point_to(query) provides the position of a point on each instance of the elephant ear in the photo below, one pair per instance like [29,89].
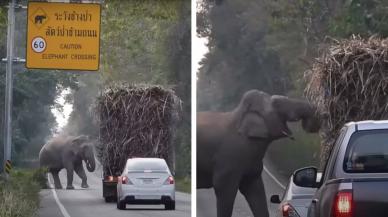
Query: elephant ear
[252,125]
[77,142]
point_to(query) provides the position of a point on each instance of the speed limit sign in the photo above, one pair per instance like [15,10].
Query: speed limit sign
[38,44]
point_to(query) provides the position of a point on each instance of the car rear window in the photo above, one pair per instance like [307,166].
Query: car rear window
[367,152]
[146,165]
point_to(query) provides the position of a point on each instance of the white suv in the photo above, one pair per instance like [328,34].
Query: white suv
[146,181]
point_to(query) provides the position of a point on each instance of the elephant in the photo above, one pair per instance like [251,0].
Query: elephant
[39,19]
[231,146]
[68,152]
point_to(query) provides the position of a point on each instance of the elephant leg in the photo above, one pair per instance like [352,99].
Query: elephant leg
[70,171]
[225,189]
[252,188]
[79,169]
[57,181]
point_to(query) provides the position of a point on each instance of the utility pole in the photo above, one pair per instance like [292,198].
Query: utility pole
[8,89]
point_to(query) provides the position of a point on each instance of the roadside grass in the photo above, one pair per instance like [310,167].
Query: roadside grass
[19,196]
[288,155]
[183,184]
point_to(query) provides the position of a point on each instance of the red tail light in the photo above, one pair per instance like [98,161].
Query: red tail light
[169,181]
[289,211]
[125,180]
[343,204]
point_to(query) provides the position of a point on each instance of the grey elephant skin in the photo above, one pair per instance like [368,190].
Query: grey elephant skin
[231,146]
[68,152]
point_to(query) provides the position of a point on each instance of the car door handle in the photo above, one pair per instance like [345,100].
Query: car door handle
[315,201]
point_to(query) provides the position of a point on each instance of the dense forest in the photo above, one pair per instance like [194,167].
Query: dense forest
[141,42]
[268,45]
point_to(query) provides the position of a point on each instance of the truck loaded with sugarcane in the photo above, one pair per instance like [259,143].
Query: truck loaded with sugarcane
[348,84]
[134,121]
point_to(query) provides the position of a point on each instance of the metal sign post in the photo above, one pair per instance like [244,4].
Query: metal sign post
[8,88]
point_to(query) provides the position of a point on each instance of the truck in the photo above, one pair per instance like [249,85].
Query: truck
[134,121]
[354,182]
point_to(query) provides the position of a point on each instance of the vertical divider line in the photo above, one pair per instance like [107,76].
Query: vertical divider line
[193,113]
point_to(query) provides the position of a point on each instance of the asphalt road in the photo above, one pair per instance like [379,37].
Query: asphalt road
[206,200]
[89,202]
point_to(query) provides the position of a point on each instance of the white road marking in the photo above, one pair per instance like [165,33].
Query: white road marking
[274,178]
[60,205]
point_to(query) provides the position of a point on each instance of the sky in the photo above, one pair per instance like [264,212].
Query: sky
[62,117]
[198,51]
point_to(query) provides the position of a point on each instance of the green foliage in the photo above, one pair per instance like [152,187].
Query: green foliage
[183,184]
[142,42]
[268,45]
[133,39]
[294,154]
[362,17]
[19,197]
[34,96]
[239,58]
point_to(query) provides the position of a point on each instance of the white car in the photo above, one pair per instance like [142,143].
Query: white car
[296,200]
[146,181]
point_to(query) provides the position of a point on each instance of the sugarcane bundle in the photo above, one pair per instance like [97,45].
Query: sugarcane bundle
[349,82]
[135,121]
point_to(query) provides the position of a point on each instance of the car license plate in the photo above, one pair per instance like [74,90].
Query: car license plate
[147,181]
[147,197]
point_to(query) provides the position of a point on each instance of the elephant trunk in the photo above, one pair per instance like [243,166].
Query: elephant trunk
[90,164]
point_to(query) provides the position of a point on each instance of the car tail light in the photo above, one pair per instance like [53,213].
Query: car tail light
[289,211]
[169,181]
[110,178]
[343,204]
[125,180]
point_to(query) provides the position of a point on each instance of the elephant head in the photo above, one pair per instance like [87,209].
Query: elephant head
[84,149]
[260,115]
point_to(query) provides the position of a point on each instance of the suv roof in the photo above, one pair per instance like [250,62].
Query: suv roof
[369,125]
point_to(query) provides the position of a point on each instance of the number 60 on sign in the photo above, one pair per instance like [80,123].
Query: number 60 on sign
[38,44]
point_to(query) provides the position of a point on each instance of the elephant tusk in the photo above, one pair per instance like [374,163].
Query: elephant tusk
[288,135]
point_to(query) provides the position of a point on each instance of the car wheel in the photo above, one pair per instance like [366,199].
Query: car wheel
[121,205]
[170,205]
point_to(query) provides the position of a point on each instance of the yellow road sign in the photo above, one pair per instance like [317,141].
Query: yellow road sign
[8,166]
[63,36]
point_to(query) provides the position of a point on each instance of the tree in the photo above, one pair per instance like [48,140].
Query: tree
[34,95]
[239,58]
[142,42]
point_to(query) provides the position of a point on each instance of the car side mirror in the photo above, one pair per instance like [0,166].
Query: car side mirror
[305,177]
[275,199]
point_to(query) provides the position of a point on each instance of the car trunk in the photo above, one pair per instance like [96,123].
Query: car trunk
[370,197]
[148,179]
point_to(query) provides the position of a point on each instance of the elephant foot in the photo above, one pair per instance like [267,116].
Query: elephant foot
[58,186]
[84,185]
[70,187]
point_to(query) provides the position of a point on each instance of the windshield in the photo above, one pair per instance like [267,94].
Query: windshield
[143,165]
[367,152]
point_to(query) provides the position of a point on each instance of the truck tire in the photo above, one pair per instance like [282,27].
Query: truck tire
[121,205]
[170,205]
[109,199]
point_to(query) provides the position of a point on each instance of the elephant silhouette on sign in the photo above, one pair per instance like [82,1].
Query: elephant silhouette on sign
[39,18]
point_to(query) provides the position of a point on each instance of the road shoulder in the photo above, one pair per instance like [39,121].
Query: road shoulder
[48,206]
